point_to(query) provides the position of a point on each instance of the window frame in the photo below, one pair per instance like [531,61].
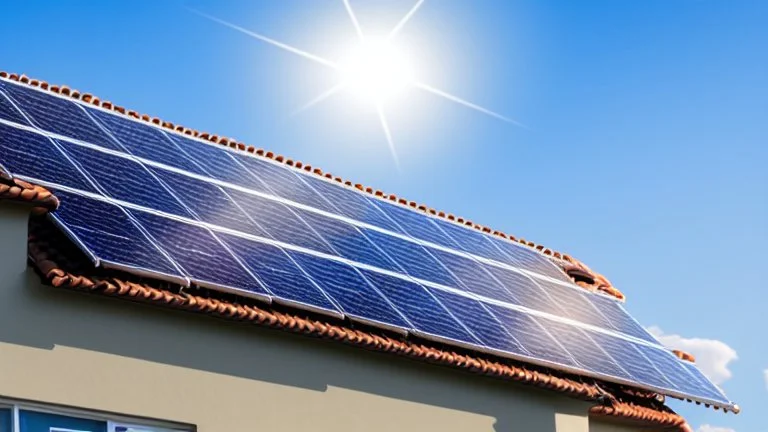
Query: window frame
[112,420]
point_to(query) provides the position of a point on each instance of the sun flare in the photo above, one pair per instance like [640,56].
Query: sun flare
[376,71]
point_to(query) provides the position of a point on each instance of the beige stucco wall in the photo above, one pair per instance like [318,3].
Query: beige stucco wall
[86,351]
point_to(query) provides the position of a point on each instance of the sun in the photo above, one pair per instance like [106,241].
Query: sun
[375,71]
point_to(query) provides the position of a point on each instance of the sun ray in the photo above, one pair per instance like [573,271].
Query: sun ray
[467,104]
[388,135]
[263,38]
[321,97]
[352,16]
[405,19]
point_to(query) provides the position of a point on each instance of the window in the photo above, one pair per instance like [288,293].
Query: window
[26,417]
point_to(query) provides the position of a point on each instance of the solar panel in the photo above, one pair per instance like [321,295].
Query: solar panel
[154,202]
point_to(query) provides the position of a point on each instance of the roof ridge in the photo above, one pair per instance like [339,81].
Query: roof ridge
[581,274]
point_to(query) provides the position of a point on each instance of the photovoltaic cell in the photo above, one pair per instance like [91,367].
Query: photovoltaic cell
[354,295]
[107,232]
[277,271]
[708,389]
[473,277]
[625,353]
[8,111]
[473,242]
[531,335]
[524,291]
[676,372]
[528,259]
[218,163]
[209,203]
[201,256]
[280,222]
[352,204]
[124,179]
[59,116]
[33,155]
[284,183]
[413,258]
[416,225]
[145,141]
[480,322]
[619,318]
[421,309]
[576,304]
[347,240]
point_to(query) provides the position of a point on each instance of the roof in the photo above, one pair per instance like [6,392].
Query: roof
[56,259]
[581,274]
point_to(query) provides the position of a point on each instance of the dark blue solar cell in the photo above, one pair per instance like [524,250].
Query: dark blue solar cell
[675,372]
[416,225]
[279,221]
[474,242]
[277,271]
[124,179]
[619,318]
[285,183]
[353,205]
[625,354]
[7,110]
[145,141]
[109,234]
[32,155]
[422,310]
[473,277]
[347,240]
[201,256]
[209,203]
[583,349]
[350,290]
[710,390]
[576,304]
[218,163]
[413,258]
[480,322]
[529,259]
[531,335]
[525,291]
[60,116]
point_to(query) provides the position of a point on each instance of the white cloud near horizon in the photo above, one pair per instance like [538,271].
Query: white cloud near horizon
[710,428]
[712,356]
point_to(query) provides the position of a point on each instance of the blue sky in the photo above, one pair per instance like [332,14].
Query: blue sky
[644,154]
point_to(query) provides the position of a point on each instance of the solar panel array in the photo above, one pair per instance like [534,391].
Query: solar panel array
[140,198]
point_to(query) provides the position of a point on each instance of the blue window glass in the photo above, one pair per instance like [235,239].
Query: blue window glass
[277,271]
[5,420]
[32,155]
[201,256]
[125,179]
[145,141]
[30,421]
[354,295]
[60,116]
[107,232]
[422,310]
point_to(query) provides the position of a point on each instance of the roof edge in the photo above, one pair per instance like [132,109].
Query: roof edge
[13,189]
[595,281]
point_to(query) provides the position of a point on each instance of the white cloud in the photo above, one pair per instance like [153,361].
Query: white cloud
[712,356]
[765,375]
[710,428]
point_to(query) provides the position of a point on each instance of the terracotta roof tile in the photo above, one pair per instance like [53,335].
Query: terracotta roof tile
[54,257]
[595,281]
[17,190]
